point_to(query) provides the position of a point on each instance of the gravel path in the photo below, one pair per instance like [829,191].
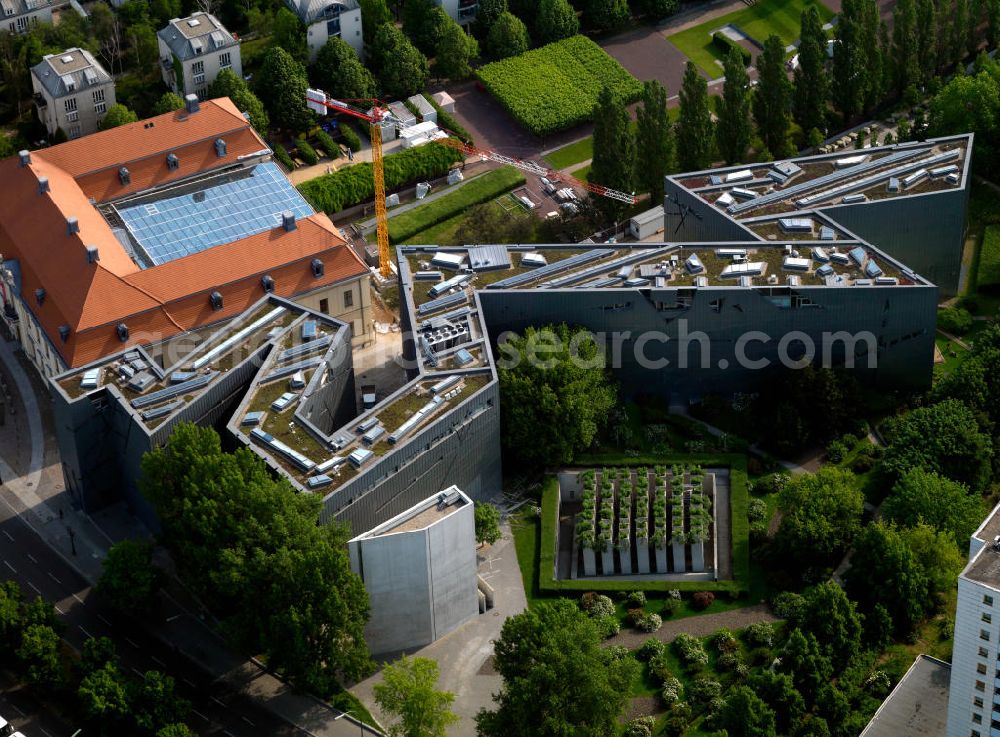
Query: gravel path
[698,626]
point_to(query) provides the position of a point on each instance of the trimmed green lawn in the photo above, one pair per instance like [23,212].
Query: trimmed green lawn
[574,153]
[988,271]
[583,173]
[781,17]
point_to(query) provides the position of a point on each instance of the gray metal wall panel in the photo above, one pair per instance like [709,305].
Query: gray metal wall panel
[713,225]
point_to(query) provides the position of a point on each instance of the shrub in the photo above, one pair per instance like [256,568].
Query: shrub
[702,600]
[608,626]
[836,451]
[760,656]
[481,189]
[757,510]
[772,483]
[671,691]
[306,152]
[954,320]
[725,641]
[690,650]
[701,691]
[327,144]
[636,599]
[650,623]
[649,649]
[723,43]
[759,634]
[658,666]
[351,185]
[351,139]
[587,600]
[555,87]
[635,617]
[788,605]
[674,594]
[862,464]
[282,155]
[671,607]
[617,653]
[599,605]
[640,727]
[729,662]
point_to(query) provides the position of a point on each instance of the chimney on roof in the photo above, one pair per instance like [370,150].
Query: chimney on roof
[220,147]
[64,332]
[93,256]
[40,296]
[172,161]
[43,185]
[317,268]
[25,157]
[124,176]
[288,220]
[215,299]
[72,226]
[191,103]
[267,282]
[122,330]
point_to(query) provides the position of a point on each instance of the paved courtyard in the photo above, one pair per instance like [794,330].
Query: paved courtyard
[465,655]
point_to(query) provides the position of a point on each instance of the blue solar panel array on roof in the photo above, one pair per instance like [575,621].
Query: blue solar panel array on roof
[173,391]
[157,412]
[554,268]
[300,461]
[872,269]
[304,349]
[441,303]
[222,210]
[292,368]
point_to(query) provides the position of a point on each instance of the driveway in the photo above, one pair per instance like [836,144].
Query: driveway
[646,54]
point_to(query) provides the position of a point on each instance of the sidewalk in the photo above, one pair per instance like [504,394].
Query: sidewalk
[38,496]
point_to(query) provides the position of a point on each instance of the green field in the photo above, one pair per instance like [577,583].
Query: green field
[574,153]
[988,273]
[481,189]
[781,17]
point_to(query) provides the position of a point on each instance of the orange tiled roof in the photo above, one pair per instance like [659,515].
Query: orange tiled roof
[163,300]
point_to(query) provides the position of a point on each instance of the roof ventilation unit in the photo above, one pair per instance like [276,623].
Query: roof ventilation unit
[317,268]
[172,161]
[215,299]
[40,296]
[123,176]
[220,147]
[122,332]
[267,282]
[25,157]
[43,185]
[64,332]
[72,226]
[93,255]
[191,103]
[288,220]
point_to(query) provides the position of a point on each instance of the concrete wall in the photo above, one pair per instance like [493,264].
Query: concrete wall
[451,547]
[900,319]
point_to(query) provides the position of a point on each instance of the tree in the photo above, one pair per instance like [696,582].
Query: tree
[654,141]
[423,22]
[39,655]
[946,505]
[288,33]
[11,615]
[340,73]
[936,554]
[745,714]
[557,679]
[733,128]
[655,9]
[885,571]
[959,44]
[487,523]
[778,692]
[175,730]
[944,438]
[251,547]
[694,127]
[614,150]
[869,24]
[905,65]
[129,579]
[772,98]
[155,703]
[117,115]
[407,692]
[812,88]
[455,50]
[552,378]
[163,11]
[167,103]
[374,13]
[820,515]
[228,84]
[803,660]
[508,36]
[103,695]
[928,38]
[281,85]
[145,48]
[848,74]
[403,70]
[487,14]
[971,103]
[605,15]
[833,620]
[556,20]
[97,653]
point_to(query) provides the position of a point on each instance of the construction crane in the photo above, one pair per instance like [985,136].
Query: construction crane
[378,114]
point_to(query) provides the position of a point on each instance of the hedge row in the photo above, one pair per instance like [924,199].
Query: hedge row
[739,500]
[479,190]
[350,136]
[354,184]
[724,43]
[452,126]
[989,259]
[556,86]
[306,152]
[327,143]
[282,155]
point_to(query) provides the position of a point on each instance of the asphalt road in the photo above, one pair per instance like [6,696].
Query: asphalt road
[216,709]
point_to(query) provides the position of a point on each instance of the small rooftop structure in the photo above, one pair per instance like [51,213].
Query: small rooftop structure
[69,72]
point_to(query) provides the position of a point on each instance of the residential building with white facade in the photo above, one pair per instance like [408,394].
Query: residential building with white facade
[72,92]
[462,12]
[326,19]
[974,701]
[194,50]
[20,15]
